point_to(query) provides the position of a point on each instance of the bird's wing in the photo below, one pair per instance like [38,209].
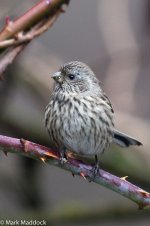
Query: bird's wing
[106,99]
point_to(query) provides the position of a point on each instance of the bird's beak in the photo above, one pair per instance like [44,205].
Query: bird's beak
[58,77]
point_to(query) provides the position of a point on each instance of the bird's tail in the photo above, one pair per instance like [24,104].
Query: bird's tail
[124,140]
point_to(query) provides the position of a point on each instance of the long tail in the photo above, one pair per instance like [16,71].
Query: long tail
[124,140]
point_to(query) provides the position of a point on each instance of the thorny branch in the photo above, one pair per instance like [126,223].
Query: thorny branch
[76,167]
[27,27]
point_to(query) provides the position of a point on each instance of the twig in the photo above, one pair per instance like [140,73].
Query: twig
[27,27]
[36,31]
[76,167]
[33,16]
[9,58]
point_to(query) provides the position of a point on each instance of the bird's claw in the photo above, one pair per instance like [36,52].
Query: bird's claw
[94,172]
[63,159]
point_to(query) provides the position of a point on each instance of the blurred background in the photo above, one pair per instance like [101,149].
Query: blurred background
[113,38]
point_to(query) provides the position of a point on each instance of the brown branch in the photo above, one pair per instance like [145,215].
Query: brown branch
[31,17]
[33,33]
[76,167]
[27,27]
[9,58]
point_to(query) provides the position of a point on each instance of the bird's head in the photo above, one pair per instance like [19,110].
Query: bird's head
[76,77]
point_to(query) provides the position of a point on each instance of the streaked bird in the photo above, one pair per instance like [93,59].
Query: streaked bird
[79,116]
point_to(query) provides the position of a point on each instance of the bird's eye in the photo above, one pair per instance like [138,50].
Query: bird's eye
[71,76]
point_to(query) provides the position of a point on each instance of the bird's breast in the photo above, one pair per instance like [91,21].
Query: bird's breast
[79,124]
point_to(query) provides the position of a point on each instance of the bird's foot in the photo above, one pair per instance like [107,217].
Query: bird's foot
[63,158]
[95,171]
[95,168]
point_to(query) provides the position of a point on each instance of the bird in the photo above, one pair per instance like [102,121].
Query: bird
[80,116]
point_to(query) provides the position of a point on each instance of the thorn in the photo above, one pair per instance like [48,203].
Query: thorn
[43,159]
[5,153]
[8,23]
[70,155]
[124,178]
[83,175]
[25,144]
[144,193]
[49,154]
